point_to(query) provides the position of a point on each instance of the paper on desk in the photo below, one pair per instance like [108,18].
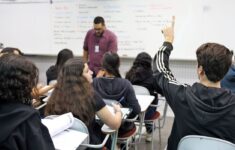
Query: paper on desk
[63,137]
[59,123]
[69,139]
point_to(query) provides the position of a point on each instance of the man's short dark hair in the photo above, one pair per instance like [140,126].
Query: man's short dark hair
[98,20]
[215,60]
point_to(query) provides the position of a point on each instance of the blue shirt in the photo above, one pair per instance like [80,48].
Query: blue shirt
[228,81]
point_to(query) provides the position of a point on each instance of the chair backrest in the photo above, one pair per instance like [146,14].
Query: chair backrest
[79,126]
[140,90]
[197,142]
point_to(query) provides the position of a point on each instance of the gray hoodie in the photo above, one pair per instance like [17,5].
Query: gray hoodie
[117,89]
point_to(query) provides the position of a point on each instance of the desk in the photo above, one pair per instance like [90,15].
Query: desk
[113,134]
[144,102]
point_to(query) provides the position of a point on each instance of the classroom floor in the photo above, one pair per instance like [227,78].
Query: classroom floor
[165,131]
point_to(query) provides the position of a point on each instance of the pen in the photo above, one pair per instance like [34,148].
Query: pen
[122,99]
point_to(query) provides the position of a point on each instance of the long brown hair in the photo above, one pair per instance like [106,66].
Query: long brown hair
[73,93]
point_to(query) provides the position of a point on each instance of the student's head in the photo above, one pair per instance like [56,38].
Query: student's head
[18,77]
[63,56]
[11,50]
[73,92]
[141,64]
[213,60]
[143,60]
[99,25]
[111,63]
[75,67]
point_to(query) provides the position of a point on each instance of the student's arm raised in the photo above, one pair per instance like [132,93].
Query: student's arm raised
[163,77]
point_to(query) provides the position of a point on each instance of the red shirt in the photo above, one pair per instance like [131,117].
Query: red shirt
[106,42]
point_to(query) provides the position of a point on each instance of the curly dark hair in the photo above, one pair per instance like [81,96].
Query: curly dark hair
[111,63]
[141,64]
[215,60]
[18,76]
[73,93]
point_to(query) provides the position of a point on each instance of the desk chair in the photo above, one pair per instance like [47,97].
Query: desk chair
[129,136]
[197,142]
[80,126]
[163,117]
[140,90]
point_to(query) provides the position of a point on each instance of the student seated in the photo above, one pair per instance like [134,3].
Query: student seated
[110,85]
[37,91]
[141,74]
[20,123]
[53,71]
[74,93]
[203,108]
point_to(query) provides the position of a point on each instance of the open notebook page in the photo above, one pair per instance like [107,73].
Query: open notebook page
[59,123]
[63,137]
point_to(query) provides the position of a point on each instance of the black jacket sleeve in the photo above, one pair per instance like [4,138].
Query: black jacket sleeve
[30,135]
[163,77]
[38,135]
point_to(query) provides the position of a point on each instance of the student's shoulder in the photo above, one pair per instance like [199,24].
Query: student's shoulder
[99,101]
[95,80]
[123,81]
[28,109]
[109,34]
[51,69]
[23,111]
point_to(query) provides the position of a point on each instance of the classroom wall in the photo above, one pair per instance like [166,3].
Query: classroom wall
[184,71]
[43,28]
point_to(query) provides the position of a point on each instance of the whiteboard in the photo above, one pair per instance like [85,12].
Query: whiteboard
[43,27]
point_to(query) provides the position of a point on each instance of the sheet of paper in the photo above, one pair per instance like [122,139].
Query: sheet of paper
[59,123]
[69,139]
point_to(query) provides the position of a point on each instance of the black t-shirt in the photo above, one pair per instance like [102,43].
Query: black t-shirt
[51,73]
[99,102]
[96,135]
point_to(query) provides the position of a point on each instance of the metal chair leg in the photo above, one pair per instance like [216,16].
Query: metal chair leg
[159,131]
[153,125]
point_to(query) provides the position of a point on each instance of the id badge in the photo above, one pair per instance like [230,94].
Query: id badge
[97,49]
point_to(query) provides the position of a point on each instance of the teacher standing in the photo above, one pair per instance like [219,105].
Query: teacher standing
[98,41]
